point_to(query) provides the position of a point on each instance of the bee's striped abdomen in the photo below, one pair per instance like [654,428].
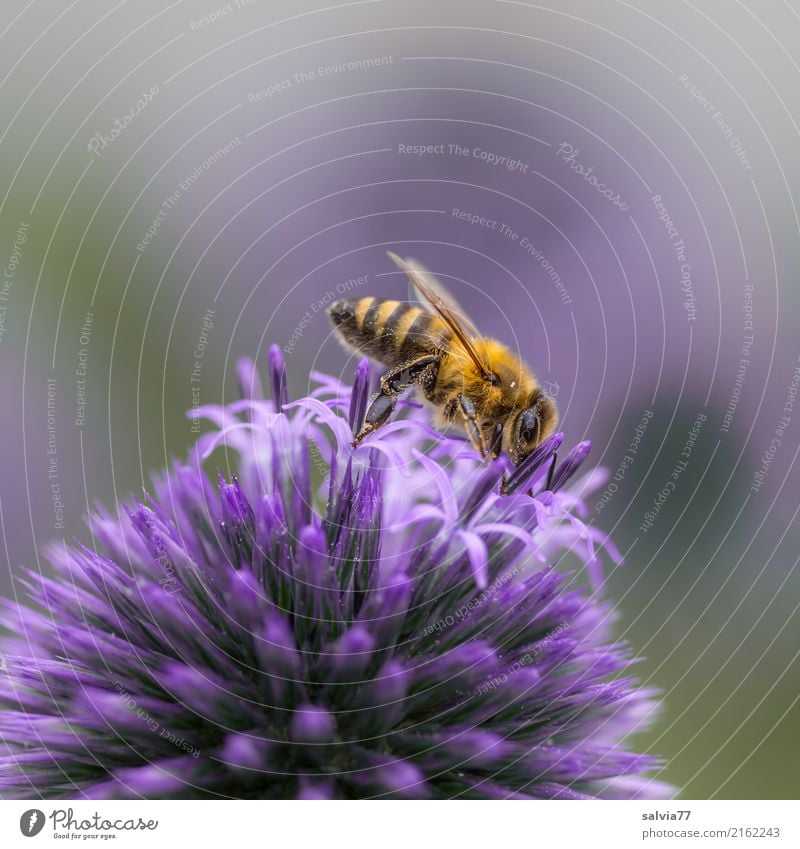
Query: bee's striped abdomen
[392,332]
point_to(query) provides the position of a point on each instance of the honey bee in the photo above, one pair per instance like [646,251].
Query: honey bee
[465,377]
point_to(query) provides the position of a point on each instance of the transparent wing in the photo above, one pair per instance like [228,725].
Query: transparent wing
[435,297]
[429,289]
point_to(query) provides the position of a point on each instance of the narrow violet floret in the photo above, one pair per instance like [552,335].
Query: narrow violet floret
[399,619]
[571,464]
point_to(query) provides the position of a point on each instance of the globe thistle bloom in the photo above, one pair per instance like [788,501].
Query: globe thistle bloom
[327,622]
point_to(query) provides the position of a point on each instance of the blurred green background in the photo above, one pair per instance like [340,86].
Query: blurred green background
[160,161]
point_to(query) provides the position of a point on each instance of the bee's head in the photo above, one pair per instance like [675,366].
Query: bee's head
[531,426]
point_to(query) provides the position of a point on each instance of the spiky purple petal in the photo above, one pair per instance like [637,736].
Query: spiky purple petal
[399,630]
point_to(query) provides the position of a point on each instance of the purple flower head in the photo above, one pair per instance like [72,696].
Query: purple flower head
[330,622]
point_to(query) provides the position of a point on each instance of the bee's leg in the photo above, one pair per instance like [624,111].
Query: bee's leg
[461,405]
[394,382]
[381,407]
[405,376]
[496,443]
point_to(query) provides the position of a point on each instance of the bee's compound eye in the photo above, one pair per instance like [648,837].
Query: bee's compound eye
[529,425]
[494,379]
